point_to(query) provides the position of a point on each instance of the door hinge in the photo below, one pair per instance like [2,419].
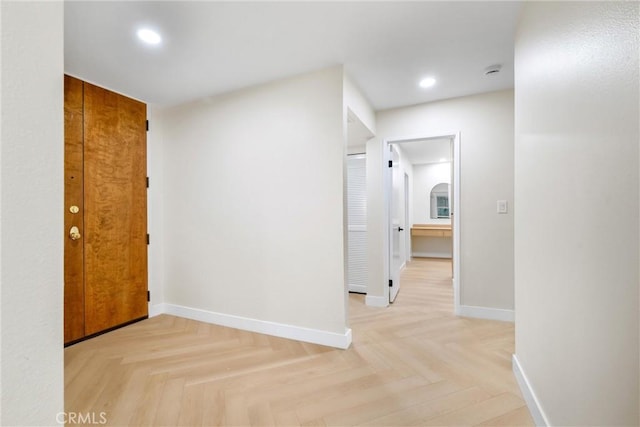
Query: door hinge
[147,182]
[148,296]
[147,125]
[148,239]
[390,283]
[390,163]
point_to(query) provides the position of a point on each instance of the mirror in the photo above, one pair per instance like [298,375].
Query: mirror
[440,201]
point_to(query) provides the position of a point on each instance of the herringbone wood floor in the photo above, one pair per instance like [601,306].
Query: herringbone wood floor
[413,363]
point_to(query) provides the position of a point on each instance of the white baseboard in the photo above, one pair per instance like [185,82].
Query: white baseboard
[487,313]
[362,289]
[431,255]
[154,310]
[373,301]
[282,330]
[538,415]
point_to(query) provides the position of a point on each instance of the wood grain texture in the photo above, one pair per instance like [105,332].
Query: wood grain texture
[115,209]
[73,195]
[431,230]
[413,363]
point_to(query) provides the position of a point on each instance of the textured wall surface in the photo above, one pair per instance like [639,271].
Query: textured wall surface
[31,216]
[576,241]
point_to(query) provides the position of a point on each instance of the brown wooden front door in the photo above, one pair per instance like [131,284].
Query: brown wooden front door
[105,178]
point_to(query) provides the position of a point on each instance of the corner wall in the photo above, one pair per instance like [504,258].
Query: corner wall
[254,215]
[577,233]
[31,223]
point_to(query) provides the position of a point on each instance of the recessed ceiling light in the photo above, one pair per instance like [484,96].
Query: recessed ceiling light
[427,82]
[149,36]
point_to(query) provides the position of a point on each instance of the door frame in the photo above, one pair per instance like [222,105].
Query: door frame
[394,277]
[457,207]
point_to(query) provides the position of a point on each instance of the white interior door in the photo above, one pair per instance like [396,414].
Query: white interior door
[406,234]
[395,228]
[357,223]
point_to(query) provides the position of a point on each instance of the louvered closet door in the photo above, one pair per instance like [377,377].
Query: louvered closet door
[357,223]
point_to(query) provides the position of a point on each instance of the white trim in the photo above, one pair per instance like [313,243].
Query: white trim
[362,289]
[487,313]
[456,306]
[386,197]
[535,409]
[431,255]
[282,330]
[157,309]
[457,258]
[374,301]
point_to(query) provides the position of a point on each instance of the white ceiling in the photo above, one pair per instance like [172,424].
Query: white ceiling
[427,150]
[214,47]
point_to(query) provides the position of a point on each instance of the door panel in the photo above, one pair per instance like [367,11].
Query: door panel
[357,271]
[395,256]
[73,196]
[115,209]
[452,206]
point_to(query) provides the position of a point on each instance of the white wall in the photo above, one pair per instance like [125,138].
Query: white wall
[577,135]
[485,123]
[254,215]
[356,101]
[155,210]
[31,220]
[377,238]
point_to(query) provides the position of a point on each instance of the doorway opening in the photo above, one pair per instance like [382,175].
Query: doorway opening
[418,166]
[355,197]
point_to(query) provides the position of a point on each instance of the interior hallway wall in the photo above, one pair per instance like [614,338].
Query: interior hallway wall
[577,243]
[254,213]
[485,123]
[31,216]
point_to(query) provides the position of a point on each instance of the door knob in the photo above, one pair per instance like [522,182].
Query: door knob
[400,229]
[74,233]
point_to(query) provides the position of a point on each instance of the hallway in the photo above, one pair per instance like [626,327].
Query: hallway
[413,363]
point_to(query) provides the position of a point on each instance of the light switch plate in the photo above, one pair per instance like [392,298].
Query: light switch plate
[502,207]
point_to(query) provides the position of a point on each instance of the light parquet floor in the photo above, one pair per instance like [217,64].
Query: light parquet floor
[414,363]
